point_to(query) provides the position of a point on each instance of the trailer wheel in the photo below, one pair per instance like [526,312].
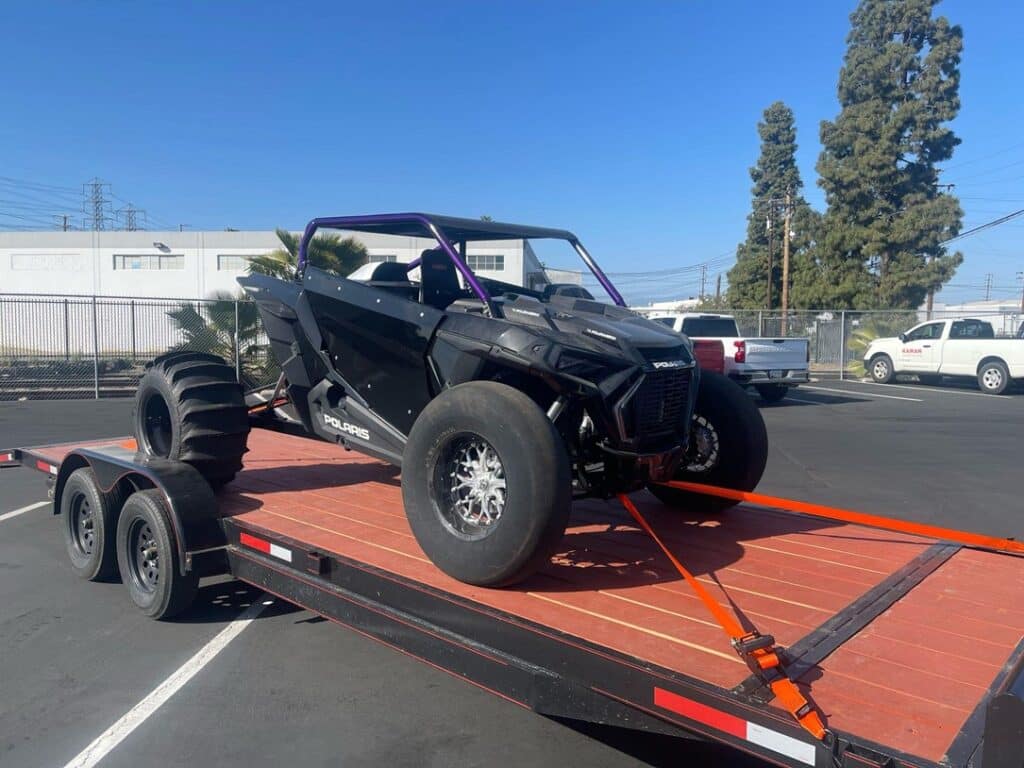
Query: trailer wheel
[728,447]
[90,525]
[771,393]
[190,408]
[486,484]
[148,557]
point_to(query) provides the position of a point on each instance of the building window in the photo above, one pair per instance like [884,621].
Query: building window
[377,258]
[149,261]
[486,261]
[229,262]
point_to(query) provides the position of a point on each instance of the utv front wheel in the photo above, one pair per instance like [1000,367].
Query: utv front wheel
[728,447]
[486,484]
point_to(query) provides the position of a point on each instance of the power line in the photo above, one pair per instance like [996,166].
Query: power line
[96,205]
[982,227]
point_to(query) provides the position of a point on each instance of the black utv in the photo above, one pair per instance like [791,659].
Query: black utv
[501,403]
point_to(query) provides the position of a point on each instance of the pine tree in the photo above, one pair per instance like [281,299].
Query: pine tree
[774,175]
[887,213]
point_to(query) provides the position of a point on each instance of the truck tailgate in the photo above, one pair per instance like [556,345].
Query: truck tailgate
[777,353]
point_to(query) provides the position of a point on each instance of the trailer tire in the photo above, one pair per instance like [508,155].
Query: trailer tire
[486,484]
[728,447]
[148,557]
[89,519]
[190,408]
[880,369]
[771,393]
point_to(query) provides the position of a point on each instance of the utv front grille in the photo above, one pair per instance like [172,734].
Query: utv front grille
[661,401]
[656,406]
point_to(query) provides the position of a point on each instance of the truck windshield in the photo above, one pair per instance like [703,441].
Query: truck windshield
[714,327]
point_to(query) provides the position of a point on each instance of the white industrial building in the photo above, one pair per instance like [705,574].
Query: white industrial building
[195,265]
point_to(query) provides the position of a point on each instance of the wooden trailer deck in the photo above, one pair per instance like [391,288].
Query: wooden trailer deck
[897,639]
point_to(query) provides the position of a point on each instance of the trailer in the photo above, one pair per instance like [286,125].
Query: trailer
[907,640]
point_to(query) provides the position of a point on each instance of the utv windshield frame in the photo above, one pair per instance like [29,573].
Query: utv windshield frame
[447,231]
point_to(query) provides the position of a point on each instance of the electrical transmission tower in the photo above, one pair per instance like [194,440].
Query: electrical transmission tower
[96,205]
[131,216]
[988,286]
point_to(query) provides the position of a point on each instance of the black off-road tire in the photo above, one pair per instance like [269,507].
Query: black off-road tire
[880,369]
[189,407]
[89,522]
[537,481]
[771,393]
[742,446]
[155,583]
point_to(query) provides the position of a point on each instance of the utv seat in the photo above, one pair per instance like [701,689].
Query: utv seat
[439,282]
[392,277]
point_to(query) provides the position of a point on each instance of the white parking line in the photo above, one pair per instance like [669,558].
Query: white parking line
[23,510]
[852,392]
[138,714]
[938,390]
[809,402]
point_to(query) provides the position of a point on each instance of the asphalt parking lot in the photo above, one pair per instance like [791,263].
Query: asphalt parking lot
[289,687]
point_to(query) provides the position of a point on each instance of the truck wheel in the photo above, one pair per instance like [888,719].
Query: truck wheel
[190,408]
[90,525]
[148,558]
[728,447]
[880,369]
[771,393]
[993,377]
[486,484]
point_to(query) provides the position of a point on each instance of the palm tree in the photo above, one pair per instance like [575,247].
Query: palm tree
[328,251]
[210,327]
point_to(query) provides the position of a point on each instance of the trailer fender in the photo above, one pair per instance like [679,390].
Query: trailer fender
[192,503]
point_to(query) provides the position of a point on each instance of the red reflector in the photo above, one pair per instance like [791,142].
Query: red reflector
[741,351]
[254,543]
[702,713]
[6,457]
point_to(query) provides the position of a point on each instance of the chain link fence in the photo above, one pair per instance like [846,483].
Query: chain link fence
[92,347]
[54,347]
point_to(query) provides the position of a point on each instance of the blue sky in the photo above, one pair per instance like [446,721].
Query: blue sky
[631,123]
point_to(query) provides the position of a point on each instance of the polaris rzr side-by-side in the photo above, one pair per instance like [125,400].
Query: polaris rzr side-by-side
[500,403]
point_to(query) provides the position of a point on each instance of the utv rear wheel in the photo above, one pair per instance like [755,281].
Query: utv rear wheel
[190,408]
[90,525]
[728,447]
[486,484]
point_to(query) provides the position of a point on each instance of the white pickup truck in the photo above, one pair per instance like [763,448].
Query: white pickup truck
[962,348]
[771,366]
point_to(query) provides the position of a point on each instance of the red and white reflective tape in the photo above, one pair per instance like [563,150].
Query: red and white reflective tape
[6,457]
[265,546]
[735,726]
[46,466]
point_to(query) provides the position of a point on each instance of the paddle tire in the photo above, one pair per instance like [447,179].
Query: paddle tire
[728,447]
[191,408]
[486,484]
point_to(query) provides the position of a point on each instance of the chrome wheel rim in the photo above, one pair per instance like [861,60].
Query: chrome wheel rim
[704,448]
[992,378]
[473,486]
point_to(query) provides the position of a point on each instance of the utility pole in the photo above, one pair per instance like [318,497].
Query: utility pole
[1020,276]
[63,221]
[703,278]
[718,289]
[988,286]
[786,223]
[181,227]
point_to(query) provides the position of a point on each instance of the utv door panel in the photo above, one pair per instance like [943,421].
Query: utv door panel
[377,342]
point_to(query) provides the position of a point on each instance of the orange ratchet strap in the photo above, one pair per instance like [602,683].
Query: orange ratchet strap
[977,540]
[757,650]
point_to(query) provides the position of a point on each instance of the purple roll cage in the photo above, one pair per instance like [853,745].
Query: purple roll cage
[461,230]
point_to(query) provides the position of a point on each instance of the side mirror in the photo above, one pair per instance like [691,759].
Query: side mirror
[903,337]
